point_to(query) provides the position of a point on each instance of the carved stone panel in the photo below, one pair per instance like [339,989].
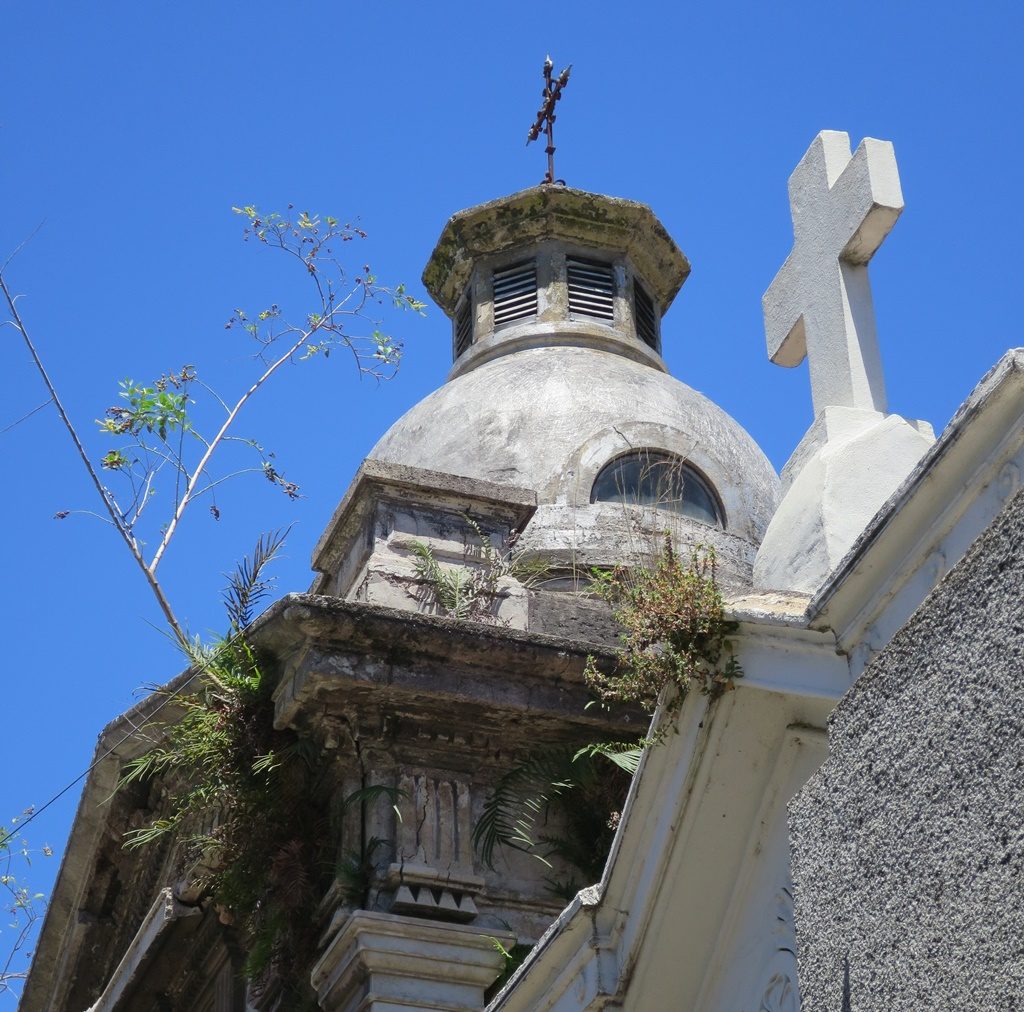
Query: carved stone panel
[433,871]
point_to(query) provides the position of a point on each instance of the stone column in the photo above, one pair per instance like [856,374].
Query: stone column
[380,962]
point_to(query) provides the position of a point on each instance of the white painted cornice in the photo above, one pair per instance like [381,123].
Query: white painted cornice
[928,524]
[586,960]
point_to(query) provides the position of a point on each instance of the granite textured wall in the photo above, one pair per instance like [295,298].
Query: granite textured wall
[908,844]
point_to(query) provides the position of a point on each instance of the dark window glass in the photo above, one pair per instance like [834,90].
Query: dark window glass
[649,478]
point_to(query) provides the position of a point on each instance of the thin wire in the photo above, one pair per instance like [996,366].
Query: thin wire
[22,823]
[25,418]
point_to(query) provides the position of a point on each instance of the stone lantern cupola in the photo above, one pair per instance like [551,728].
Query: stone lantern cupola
[555,266]
[558,387]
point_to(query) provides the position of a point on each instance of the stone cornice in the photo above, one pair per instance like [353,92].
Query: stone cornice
[555,212]
[288,627]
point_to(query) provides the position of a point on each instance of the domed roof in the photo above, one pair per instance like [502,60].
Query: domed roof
[556,297]
[549,418]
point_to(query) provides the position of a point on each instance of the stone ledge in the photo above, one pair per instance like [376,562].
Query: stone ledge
[343,653]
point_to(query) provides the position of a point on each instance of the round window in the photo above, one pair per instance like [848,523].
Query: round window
[660,480]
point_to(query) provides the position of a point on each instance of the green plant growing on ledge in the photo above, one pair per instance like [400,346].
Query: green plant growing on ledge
[675,635]
[512,958]
[675,631]
[175,441]
[252,806]
[466,592]
[585,786]
[246,802]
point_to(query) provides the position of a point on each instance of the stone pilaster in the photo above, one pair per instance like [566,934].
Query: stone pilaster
[380,962]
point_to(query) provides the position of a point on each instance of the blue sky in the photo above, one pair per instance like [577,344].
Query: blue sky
[129,131]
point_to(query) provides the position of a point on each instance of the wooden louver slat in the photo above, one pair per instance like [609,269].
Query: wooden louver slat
[591,288]
[515,292]
[464,326]
[645,317]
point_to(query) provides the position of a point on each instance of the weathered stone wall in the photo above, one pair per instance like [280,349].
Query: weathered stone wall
[908,844]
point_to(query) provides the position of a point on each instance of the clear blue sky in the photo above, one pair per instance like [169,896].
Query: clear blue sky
[131,129]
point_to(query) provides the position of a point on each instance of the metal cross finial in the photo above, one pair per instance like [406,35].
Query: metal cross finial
[551,94]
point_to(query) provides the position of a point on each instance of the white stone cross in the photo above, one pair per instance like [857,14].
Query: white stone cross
[819,304]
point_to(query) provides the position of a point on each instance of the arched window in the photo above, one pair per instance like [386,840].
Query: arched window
[652,478]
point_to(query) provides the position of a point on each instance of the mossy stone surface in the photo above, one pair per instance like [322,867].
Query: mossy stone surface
[555,212]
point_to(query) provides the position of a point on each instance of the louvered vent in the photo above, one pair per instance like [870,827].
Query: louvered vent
[591,288]
[515,292]
[646,320]
[464,326]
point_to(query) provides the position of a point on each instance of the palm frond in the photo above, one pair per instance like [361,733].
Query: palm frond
[266,763]
[355,870]
[625,756]
[247,586]
[519,800]
[147,834]
[374,791]
[452,586]
[146,765]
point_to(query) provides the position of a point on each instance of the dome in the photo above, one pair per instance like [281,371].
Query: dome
[556,298]
[551,418]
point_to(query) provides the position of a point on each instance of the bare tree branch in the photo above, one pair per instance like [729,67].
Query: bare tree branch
[126,534]
[197,474]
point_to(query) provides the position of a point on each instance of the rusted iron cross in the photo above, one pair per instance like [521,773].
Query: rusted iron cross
[551,94]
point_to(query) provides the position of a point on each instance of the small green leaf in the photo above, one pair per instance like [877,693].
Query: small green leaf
[114,460]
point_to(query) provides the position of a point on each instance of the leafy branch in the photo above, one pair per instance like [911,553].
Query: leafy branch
[115,514]
[21,905]
[226,731]
[157,432]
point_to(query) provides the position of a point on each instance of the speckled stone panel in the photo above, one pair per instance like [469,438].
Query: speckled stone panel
[908,844]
